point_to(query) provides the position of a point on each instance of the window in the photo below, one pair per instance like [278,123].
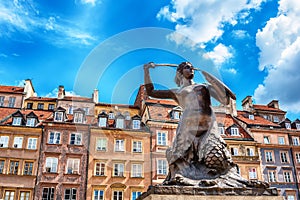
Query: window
[2,162]
[291,197]
[86,110]
[298,126]
[275,119]
[119,145]
[73,166]
[120,123]
[70,194]
[297,157]
[102,121]
[272,176]
[250,152]
[100,169]
[269,156]
[101,144]
[51,165]
[266,140]
[162,167]
[251,117]
[98,195]
[48,193]
[287,125]
[221,130]
[75,139]
[118,195]
[111,115]
[252,173]
[9,195]
[31,143]
[2,100]
[18,141]
[70,110]
[234,151]
[24,195]
[161,138]
[136,124]
[28,167]
[58,116]
[40,106]
[118,169]
[54,138]
[11,102]
[4,141]
[295,141]
[78,117]
[137,146]
[234,131]
[17,121]
[287,175]
[281,140]
[135,195]
[14,167]
[284,157]
[176,115]
[30,122]
[136,170]
[29,105]
[51,107]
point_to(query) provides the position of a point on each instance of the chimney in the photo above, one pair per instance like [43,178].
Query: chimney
[274,104]
[61,92]
[247,103]
[95,96]
[28,89]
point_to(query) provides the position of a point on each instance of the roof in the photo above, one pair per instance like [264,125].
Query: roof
[11,89]
[76,98]
[7,112]
[162,101]
[257,121]
[160,111]
[266,108]
[41,99]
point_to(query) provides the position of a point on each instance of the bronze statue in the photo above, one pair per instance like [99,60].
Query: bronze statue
[199,156]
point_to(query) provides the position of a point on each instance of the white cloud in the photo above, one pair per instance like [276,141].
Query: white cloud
[240,34]
[202,21]
[23,17]
[3,55]
[279,42]
[54,93]
[220,54]
[91,2]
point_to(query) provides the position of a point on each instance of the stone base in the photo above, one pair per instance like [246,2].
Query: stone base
[162,192]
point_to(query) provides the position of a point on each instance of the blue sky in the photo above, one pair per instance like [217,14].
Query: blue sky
[252,45]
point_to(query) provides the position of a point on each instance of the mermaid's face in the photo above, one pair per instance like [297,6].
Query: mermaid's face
[188,71]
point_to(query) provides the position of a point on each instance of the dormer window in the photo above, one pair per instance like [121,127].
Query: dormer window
[251,117]
[58,116]
[111,115]
[287,125]
[78,116]
[102,119]
[136,124]
[275,119]
[297,126]
[30,122]
[120,121]
[176,115]
[221,129]
[17,121]
[127,115]
[176,112]
[234,131]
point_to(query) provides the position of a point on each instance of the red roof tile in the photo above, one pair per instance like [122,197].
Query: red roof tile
[266,108]
[162,101]
[41,99]
[258,120]
[11,89]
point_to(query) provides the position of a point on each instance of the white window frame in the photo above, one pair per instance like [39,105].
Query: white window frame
[32,143]
[4,140]
[78,117]
[77,139]
[55,139]
[162,168]
[272,176]
[137,170]
[269,156]
[252,173]
[52,164]
[266,139]
[18,142]
[176,115]
[70,110]
[250,152]
[298,126]
[295,141]
[2,101]
[101,144]
[281,140]
[111,115]
[24,195]
[234,151]
[275,119]
[119,145]
[234,131]
[11,102]
[9,194]
[2,163]
[287,176]
[58,116]
[297,155]
[162,138]
[221,130]
[73,193]
[86,110]
[118,169]
[284,157]
[98,194]
[73,166]
[119,194]
[136,124]
[120,123]
[30,122]
[17,121]
[137,146]
[100,168]
[251,117]
[287,125]
[49,193]
[102,122]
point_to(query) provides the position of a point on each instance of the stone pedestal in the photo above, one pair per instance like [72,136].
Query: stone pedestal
[209,193]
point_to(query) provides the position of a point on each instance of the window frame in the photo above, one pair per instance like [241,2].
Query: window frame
[28,170]
[281,140]
[270,156]
[119,147]
[78,117]
[289,178]
[252,173]
[58,116]
[234,131]
[2,165]
[272,176]
[18,143]
[101,169]
[136,170]
[101,144]
[284,157]
[27,195]
[295,141]
[162,167]
[56,137]
[51,106]
[14,170]
[30,122]
[160,140]
[99,195]
[136,124]
[77,139]
[71,194]
[50,194]
[4,143]
[2,101]
[53,161]
[73,166]
[11,102]
[17,121]
[32,145]
[119,169]
[40,106]
[266,139]
[118,192]
[137,146]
